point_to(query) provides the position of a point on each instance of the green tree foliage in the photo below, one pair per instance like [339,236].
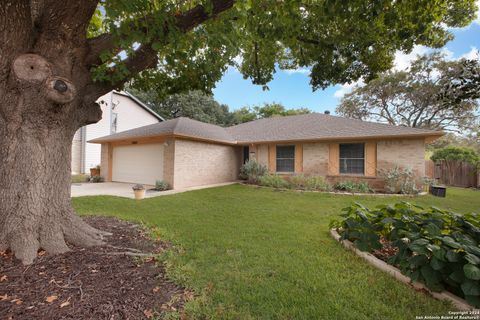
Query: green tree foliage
[470,140]
[266,110]
[203,107]
[340,41]
[413,98]
[464,82]
[452,153]
[193,104]
[453,157]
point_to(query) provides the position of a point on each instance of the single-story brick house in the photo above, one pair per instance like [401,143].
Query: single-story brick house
[186,153]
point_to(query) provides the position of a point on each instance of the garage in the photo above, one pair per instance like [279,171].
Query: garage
[138,163]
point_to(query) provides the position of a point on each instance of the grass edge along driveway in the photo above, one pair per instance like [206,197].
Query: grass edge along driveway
[262,254]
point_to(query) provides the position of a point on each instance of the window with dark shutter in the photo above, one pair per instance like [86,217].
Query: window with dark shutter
[285,158]
[352,158]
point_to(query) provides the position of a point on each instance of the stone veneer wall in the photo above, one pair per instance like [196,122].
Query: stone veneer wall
[201,163]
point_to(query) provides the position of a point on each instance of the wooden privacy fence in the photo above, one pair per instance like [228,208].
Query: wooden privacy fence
[460,174]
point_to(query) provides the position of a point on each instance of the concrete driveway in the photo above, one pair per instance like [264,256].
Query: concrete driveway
[125,189]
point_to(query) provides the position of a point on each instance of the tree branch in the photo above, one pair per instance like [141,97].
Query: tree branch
[184,22]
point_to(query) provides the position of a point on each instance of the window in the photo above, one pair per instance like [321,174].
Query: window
[246,154]
[285,158]
[352,158]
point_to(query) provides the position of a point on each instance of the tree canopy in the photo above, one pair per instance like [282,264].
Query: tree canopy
[203,107]
[453,153]
[414,98]
[340,41]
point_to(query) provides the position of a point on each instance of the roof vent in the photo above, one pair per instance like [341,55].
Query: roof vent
[327,112]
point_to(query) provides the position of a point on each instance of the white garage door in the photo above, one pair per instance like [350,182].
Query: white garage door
[138,163]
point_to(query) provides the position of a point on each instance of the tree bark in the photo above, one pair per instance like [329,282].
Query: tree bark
[46,94]
[35,206]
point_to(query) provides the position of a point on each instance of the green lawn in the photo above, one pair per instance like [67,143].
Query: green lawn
[263,254]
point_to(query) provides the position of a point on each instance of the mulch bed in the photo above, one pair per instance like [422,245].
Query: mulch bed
[92,283]
[388,250]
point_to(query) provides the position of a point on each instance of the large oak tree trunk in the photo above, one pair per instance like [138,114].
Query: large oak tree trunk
[43,101]
[35,156]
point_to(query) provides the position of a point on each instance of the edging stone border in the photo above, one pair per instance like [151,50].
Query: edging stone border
[458,302]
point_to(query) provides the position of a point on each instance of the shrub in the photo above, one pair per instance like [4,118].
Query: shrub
[399,180]
[252,171]
[352,186]
[297,182]
[161,185]
[96,179]
[433,246]
[138,187]
[317,183]
[274,181]
[453,157]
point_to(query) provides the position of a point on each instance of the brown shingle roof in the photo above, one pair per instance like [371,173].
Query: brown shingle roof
[314,126]
[317,126]
[178,126]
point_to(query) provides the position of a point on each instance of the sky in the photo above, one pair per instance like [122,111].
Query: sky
[292,89]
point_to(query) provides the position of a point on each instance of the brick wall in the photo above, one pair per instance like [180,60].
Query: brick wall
[169,162]
[404,153]
[262,154]
[315,159]
[104,161]
[200,163]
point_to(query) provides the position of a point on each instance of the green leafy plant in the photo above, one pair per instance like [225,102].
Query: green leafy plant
[298,182]
[252,171]
[437,247]
[138,187]
[274,181]
[161,185]
[96,179]
[317,183]
[352,186]
[399,180]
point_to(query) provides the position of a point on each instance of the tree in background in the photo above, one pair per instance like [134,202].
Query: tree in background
[464,81]
[54,67]
[470,140]
[453,157]
[267,110]
[203,107]
[414,98]
[193,104]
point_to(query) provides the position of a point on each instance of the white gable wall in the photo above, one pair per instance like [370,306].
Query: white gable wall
[96,130]
[129,115]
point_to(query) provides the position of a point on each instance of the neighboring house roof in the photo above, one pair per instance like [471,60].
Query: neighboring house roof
[313,126]
[140,103]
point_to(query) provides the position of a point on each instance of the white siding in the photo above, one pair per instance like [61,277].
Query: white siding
[97,130]
[130,115]
[138,163]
